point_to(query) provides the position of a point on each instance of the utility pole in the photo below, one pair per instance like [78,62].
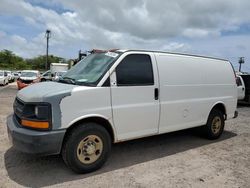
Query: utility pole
[47,35]
[241,61]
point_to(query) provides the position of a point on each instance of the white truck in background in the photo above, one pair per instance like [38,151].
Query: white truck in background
[58,67]
[55,68]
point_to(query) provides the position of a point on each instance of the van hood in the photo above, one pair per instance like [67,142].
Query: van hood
[45,91]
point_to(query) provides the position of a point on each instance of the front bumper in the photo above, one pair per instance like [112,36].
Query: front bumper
[32,141]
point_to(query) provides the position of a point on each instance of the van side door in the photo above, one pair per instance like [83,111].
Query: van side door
[134,96]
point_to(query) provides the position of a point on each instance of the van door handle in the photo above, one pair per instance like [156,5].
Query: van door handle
[156,93]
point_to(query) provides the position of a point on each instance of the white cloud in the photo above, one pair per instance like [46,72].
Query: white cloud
[176,47]
[199,33]
[173,25]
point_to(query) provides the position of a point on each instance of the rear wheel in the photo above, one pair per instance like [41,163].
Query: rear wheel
[215,125]
[86,148]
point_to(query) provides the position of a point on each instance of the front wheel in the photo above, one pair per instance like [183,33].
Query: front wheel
[215,125]
[86,148]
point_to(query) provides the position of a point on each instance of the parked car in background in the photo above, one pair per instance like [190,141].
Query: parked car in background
[240,87]
[28,77]
[4,80]
[10,76]
[16,75]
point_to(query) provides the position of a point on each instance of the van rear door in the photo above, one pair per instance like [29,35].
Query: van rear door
[134,93]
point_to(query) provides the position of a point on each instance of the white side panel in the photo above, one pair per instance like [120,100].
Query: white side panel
[84,102]
[189,88]
[135,111]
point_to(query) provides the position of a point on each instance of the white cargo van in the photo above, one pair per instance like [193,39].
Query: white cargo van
[115,96]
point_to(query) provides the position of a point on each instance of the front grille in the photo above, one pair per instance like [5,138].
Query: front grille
[18,107]
[26,81]
[18,119]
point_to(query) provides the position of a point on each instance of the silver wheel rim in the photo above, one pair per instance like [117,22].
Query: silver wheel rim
[216,125]
[89,149]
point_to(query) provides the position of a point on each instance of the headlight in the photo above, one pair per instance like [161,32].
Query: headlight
[37,116]
[41,112]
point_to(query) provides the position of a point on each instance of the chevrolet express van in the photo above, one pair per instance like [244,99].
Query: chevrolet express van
[116,96]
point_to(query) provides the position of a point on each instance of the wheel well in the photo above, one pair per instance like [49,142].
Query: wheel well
[101,121]
[221,108]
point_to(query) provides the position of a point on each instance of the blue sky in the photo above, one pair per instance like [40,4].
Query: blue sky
[204,27]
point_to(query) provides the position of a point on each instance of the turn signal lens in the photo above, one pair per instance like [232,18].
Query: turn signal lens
[35,124]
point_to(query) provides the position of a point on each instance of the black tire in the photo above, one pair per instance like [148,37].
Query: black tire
[212,130]
[73,141]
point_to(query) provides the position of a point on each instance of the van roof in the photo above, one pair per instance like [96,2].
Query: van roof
[172,53]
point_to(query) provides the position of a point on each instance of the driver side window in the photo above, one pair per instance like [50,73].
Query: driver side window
[135,70]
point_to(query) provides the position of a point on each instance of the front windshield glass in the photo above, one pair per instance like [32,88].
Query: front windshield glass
[90,70]
[28,74]
[1,73]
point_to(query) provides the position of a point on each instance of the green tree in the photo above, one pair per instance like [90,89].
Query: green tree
[10,61]
[39,62]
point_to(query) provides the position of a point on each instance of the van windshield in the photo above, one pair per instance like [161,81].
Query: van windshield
[1,73]
[91,69]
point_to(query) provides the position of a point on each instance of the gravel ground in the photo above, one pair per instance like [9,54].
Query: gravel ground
[181,159]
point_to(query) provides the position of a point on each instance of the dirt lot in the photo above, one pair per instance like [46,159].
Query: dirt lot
[181,159]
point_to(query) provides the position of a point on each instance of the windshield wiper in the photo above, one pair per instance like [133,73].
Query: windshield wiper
[68,80]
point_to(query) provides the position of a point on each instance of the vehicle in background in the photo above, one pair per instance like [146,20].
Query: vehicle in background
[110,97]
[46,76]
[4,80]
[246,82]
[240,87]
[10,76]
[59,75]
[16,75]
[54,68]
[58,67]
[28,77]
